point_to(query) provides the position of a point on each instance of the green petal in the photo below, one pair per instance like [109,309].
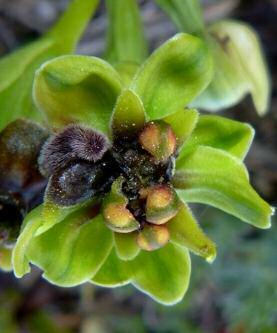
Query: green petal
[5,259]
[80,89]
[128,117]
[185,231]
[125,37]
[183,123]
[219,132]
[18,69]
[173,75]
[162,274]
[243,74]
[126,245]
[30,225]
[214,177]
[73,251]
[113,273]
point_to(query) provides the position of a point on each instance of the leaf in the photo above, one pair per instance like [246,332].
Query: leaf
[214,177]
[76,89]
[18,69]
[173,75]
[222,133]
[185,231]
[125,37]
[126,245]
[71,252]
[236,73]
[186,14]
[162,274]
[30,225]
[113,273]
[128,116]
[183,123]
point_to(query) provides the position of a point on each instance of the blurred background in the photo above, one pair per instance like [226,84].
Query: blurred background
[238,293]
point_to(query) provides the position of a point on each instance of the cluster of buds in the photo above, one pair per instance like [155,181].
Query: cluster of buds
[147,164]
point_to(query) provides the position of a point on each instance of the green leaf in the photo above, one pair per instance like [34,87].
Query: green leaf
[173,75]
[186,14]
[128,116]
[126,245]
[71,252]
[219,132]
[5,259]
[30,225]
[113,273]
[185,231]
[183,123]
[162,274]
[80,89]
[18,68]
[236,73]
[125,37]
[214,177]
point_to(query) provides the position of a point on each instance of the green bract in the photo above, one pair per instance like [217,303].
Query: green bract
[110,242]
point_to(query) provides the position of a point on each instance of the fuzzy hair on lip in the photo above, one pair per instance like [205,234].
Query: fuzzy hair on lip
[75,142]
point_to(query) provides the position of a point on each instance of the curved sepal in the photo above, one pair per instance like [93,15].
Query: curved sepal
[76,89]
[236,73]
[218,132]
[173,75]
[128,117]
[214,177]
[71,252]
[185,231]
[126,245]
[18,68]
[162,274]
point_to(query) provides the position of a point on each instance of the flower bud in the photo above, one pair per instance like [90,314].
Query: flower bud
[119,218]
[116,215]
[161,204]
[153,237]
[159,140]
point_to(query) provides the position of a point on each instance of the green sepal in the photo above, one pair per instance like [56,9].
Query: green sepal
[185,231]
[128,117]
[183,123]
[113,273]
[236,73]
[126,245]
[72,251]
[53,214]
[127,71]
[215,177]
[162,274]
[173,75]
[5,259]
[125,38]
[218,132]
[30,225]
[77,89]
[18,69]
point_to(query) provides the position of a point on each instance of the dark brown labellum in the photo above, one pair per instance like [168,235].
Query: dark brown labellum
[73,143]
